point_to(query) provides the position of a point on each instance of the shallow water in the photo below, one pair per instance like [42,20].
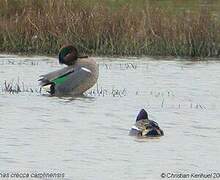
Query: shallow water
[87,137]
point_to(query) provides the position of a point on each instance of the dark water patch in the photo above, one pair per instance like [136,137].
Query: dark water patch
[69,150]
[13,145]
[205,127]
[121,129]
[43,120]
[112,137]
[191,134]
[11,138]
[65,120]
[8,160]
[68,160]
[29,128]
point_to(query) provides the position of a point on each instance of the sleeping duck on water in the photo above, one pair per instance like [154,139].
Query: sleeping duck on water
[80,74]
[145,127]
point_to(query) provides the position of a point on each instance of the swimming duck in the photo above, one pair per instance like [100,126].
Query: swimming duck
[80,74]
[145,127]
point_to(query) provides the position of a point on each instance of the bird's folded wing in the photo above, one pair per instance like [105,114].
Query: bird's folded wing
[69,82]
[47,78]
[69,76]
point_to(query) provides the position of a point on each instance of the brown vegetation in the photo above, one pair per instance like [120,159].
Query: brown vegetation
[30,26]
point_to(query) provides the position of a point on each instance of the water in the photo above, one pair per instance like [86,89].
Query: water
[87,137]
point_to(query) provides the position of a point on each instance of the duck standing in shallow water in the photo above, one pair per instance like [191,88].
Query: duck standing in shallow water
[80,74]
[145,127]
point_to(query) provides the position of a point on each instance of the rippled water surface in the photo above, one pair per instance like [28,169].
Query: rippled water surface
[87,137]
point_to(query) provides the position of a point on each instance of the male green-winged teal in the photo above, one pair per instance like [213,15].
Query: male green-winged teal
[80,74]
[145,127]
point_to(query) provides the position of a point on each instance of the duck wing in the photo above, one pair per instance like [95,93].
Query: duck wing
[65,80]
[47,78]
[68,82]
[153,124]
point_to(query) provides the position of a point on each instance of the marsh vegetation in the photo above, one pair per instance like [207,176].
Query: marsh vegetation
[104,27]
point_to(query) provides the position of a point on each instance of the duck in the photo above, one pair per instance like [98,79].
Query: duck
[79,75]
[144,127]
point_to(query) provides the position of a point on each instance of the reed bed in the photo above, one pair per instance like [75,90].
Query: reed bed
[42,27]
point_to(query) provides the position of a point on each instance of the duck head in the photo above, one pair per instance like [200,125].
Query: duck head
[142,115]
[68,55]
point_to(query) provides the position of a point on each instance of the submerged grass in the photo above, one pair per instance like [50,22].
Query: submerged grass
[105,27]
[16,87]
[13,87]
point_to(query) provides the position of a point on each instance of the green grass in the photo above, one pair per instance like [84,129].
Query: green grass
[111,27]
